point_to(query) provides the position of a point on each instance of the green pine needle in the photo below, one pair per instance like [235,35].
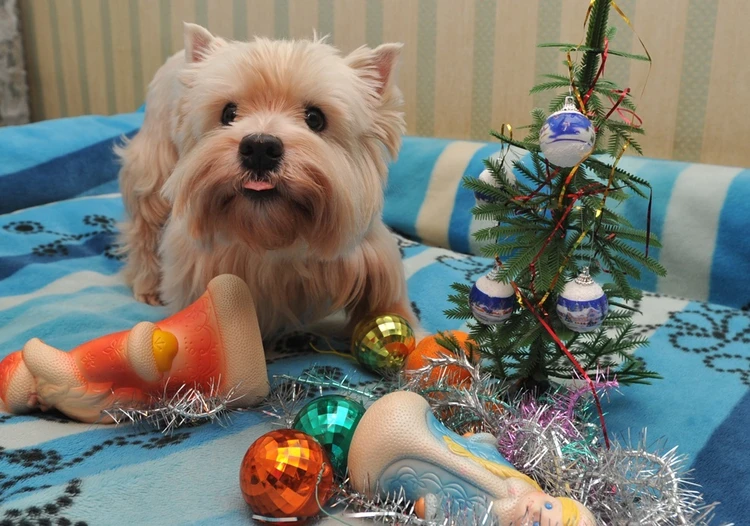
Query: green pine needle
[546,86]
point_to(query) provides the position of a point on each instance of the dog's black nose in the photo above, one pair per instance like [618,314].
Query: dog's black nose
[261,153]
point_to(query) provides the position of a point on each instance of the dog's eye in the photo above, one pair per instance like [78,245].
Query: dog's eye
[229,113]
[315,119]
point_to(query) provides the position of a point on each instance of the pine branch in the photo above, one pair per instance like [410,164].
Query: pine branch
[631,56]
[569,47]
[461,288]
[625,127]
[535,175]
[529,146]
[594,41]
[538,116]
[557,102]
[631,234]
[555,76]
[498,249]
[629,309]
[546,86]
[634,253]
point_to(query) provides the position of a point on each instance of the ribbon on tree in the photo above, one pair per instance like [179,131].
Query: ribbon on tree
[524,301]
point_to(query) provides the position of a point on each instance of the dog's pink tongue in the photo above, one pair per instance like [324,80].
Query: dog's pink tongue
[258,186]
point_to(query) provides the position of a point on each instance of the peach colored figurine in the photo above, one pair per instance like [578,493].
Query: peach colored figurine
[215,341]
[400,444]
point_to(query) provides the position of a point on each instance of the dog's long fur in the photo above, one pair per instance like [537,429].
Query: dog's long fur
[320,245]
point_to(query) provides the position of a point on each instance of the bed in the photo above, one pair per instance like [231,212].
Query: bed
[59,281]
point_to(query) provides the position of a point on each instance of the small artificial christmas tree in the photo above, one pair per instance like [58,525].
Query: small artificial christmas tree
[557,221]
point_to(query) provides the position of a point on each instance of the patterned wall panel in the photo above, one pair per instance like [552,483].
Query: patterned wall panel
[467,65]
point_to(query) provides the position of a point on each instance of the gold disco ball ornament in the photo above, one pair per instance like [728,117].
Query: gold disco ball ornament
[381,344]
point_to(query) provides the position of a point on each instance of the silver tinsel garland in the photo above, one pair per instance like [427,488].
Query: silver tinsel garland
[553,439]
[184,407]
[395,508]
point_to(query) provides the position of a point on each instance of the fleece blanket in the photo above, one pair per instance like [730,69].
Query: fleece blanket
[59,280]
[700,212]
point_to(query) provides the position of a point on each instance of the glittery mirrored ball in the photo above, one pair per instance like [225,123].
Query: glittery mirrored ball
[491,301]
[279,476]
[582,304]
[331,420]
[567,136]
[381,344]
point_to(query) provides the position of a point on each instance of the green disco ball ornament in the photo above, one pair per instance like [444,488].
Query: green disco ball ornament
[381,344]
[331,420]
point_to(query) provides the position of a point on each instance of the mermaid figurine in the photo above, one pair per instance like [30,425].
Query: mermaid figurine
[399,444]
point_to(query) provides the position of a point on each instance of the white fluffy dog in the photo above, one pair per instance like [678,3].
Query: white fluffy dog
[267,160]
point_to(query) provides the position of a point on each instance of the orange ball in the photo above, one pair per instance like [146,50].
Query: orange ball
[430,348]
[279,475]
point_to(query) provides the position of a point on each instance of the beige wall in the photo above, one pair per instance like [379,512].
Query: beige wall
[467,66]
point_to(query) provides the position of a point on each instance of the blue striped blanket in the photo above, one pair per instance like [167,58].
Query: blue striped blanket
[59,281]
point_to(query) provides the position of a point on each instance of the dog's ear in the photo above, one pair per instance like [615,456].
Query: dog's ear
[376,65]
[199,42]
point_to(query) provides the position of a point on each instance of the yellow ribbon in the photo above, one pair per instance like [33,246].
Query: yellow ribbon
[645,50]
[627,21]
[612,175]
[510,129]
[333,351]
[630,25]
[570,178]
[576,93]
[588,13]
[503,126]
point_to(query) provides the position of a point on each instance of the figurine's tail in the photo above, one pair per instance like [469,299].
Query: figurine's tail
[17,386]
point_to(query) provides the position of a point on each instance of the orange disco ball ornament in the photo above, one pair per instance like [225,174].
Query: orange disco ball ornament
[430,348]
[279,476]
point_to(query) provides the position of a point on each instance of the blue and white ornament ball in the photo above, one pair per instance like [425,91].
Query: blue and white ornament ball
[512,155]
[582,304]
[567,136]
[492,302]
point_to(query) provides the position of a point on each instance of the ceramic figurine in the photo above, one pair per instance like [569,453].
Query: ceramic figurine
[400,444]
[213,342]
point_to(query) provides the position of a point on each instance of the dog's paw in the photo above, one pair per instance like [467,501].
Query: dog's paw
[149,298]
